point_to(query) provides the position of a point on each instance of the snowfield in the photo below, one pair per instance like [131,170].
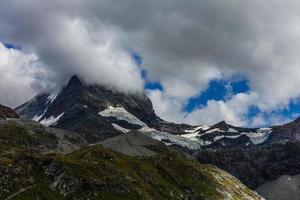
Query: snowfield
[173,139]
[191,138]
[260,136]
[121,113]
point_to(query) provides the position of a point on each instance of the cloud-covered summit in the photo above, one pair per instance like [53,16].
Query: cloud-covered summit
[184,45]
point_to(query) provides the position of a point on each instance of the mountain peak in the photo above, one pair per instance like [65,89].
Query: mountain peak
[221,124]
[75,81]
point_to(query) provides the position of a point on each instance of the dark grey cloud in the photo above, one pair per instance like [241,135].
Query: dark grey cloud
[184,44]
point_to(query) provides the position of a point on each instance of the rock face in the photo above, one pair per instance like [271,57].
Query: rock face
[283,188]
[257,165]
[6,112]
[286,132]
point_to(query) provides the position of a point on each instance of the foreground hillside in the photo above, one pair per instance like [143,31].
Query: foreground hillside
[94,172]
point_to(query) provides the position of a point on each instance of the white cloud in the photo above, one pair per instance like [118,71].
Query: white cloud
[19,77]
[93,56]
[233,111]
[169,108]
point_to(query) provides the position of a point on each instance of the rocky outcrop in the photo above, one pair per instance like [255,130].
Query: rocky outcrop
[6,112]
[286,132]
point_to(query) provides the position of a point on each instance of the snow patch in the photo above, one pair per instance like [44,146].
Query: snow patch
[119,128]
[39,117]
[214,130]
[232,136]
[52,96]
[121,113]
[191,136]
[51,120]
[232,130]
[207,143]
[226,136]
[260,136]
[218,137]
[203,127]
[172,139]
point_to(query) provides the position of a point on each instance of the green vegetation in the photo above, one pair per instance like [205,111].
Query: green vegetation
[15,136]
[93,172]
[98,173]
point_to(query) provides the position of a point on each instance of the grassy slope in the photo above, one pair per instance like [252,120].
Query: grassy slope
[98,173]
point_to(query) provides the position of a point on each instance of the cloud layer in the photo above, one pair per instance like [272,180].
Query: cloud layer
[184,45]
[21,76]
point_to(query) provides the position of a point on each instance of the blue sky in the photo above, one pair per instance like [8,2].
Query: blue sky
[11,46]
[217,90]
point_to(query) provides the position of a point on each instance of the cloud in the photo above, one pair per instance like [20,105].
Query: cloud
[20,76]
[184,45]
[69,43]
[233,111]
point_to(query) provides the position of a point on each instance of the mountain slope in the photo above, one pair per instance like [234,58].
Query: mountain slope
[17,135]
[79,104]
[96,173]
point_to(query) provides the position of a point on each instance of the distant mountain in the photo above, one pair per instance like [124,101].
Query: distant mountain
[6,112]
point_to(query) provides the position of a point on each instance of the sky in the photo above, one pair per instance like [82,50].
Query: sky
[200,62]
